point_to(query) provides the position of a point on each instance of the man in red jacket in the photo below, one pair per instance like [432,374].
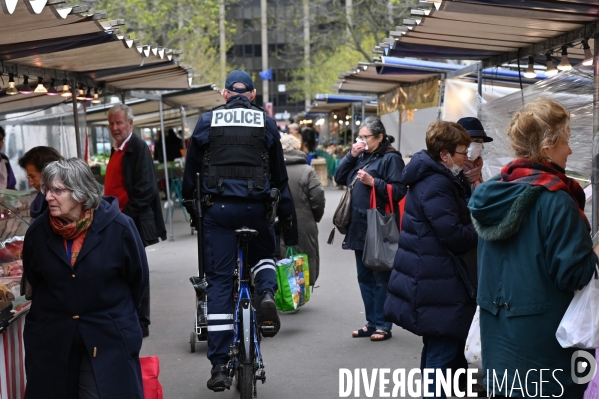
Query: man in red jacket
[130,177]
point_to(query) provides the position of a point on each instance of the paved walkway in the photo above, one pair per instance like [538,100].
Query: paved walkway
[303,360]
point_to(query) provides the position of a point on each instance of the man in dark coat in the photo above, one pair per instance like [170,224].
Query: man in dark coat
[94,300]
[130,177]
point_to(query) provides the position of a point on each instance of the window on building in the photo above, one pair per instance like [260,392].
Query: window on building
[282,99]
[257,50]
[282,75]
[272,48]
[238,50]
[248,50]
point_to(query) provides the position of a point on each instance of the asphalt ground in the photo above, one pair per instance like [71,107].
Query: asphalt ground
[304,359]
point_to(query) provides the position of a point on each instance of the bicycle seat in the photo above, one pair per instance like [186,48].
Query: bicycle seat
[244,233]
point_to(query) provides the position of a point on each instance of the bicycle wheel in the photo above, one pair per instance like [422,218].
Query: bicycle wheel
[245,370]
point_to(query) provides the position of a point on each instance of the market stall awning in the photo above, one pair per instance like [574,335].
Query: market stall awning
[146,112]
[366,79]
[494,31]
[39,39]
[325,103]
[204,97]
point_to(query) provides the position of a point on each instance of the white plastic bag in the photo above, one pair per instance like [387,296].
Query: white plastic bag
[473,349]
[579,327]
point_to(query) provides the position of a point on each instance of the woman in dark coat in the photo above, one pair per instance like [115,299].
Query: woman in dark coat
[426,296]
[308,197]
[372,161]
[534,252]
[87,267]
[33,162]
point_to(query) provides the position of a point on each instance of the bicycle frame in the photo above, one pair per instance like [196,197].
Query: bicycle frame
[242,311]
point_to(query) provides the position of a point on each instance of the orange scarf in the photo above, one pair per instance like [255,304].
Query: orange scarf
[75,231]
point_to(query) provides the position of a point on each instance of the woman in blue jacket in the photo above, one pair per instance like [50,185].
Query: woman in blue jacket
[87,266]
[372,162]
[426,295]
[534,252]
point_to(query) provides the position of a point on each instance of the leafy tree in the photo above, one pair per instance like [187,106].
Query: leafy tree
[340,37]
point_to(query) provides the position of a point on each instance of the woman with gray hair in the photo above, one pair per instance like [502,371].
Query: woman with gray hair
[372,163]
[87,267]
[308,197]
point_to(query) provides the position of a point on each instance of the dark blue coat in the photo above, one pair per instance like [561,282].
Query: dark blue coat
[386,168]
[425,295]
[200,141]
[98,296]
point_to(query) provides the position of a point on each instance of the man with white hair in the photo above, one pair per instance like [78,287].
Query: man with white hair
[130,177]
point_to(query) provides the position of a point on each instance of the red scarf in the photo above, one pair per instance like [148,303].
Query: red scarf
[75,231]
[548,175]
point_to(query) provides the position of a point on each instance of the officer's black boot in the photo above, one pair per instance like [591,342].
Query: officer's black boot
[220,378]
[270,323]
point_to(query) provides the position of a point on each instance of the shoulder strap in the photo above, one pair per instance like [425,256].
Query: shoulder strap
[356,178]
[388,205]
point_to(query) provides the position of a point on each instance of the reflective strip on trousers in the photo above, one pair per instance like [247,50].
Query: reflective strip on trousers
[224,327]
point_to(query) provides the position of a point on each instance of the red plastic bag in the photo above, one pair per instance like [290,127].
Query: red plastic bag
[150,368]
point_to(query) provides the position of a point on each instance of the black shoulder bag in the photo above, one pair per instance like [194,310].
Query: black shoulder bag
[465,265]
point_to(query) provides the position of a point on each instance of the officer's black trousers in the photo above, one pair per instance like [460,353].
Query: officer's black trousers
[220,257]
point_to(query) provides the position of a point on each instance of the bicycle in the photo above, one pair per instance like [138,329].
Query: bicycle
[245,361]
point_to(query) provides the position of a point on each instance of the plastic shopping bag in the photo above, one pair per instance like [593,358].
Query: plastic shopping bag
[150,369]
[579,327]
[302,266]
[473,349]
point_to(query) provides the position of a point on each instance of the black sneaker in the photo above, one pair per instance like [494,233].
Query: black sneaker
[220,378]
[270,318]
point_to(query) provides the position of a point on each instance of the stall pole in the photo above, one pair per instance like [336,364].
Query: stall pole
[76,120]
[480,81]
[595,172]
[353,121]
[441,93]
[183,124]
[166,173]
[363,111]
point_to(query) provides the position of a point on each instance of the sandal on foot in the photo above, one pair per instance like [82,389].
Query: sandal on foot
[386,335]
[361,333]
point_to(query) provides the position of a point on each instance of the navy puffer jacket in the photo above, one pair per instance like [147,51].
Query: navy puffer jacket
[425,295]
[385,166]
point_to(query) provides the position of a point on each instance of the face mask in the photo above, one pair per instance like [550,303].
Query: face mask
[475,150]
[359,140]
[455,169]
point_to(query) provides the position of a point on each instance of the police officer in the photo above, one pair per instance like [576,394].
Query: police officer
[236,150]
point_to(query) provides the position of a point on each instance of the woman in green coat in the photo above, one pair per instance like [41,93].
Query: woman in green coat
[534,251]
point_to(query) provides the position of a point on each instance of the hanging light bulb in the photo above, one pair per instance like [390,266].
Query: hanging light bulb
[40,86]
[551,69]
[81,94]
[530,71]
[25,88]
[96,99]
[66,90]
[564,65]
[52,88]
[588,54]
[12,89]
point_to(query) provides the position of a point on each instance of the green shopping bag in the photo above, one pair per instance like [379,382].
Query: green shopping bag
[292,281]
[302,263]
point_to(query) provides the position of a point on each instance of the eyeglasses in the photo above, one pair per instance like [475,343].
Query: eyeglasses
[31,177]
[365,137]
[462,153]
[55,191]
